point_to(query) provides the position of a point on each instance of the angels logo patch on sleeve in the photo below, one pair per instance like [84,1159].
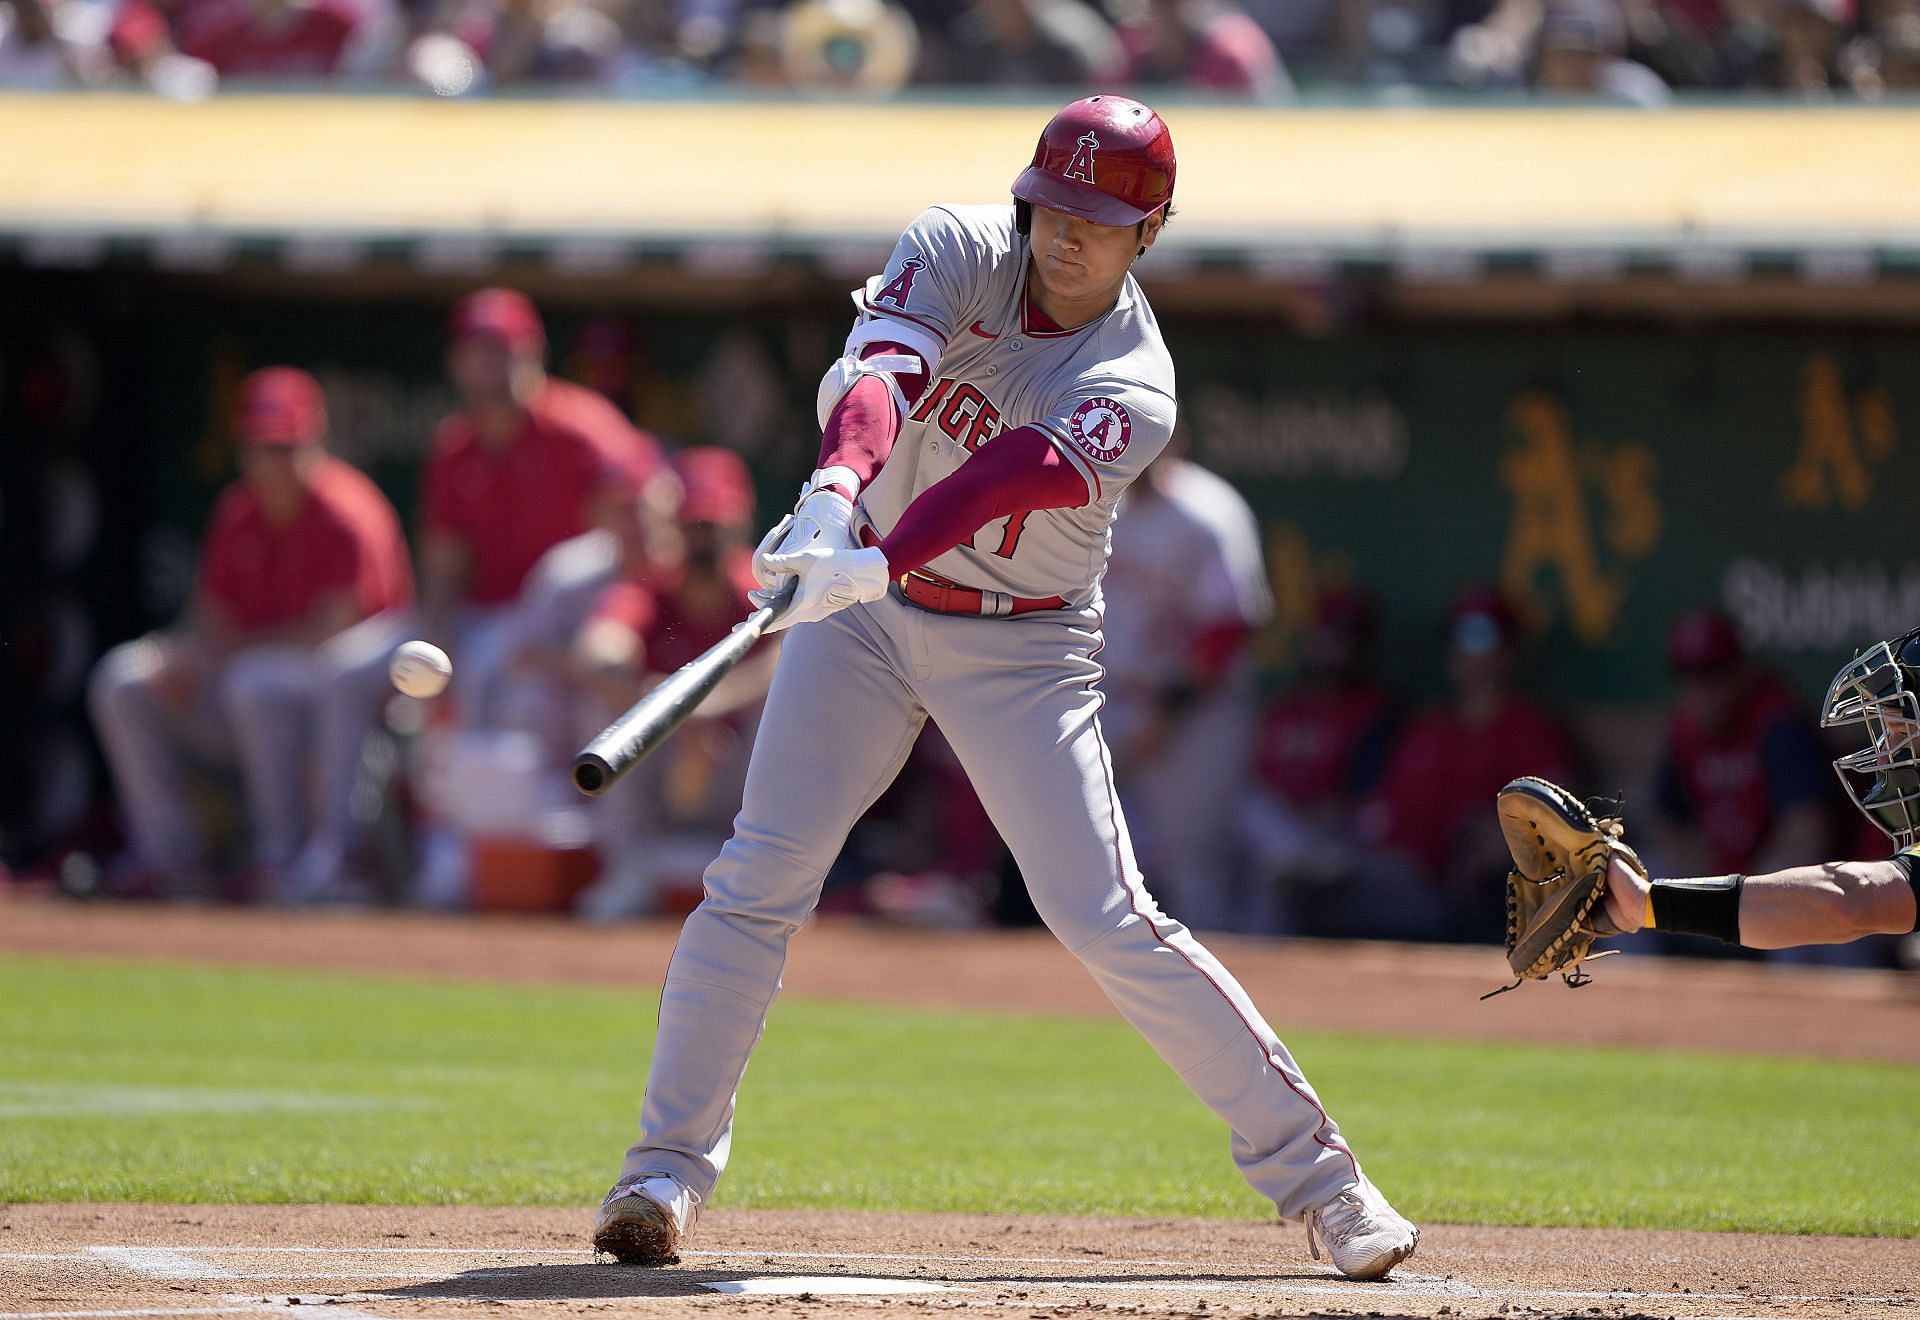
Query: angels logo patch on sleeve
[900,287]
[1100,429]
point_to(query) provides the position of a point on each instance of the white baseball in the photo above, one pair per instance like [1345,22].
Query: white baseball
[420,669]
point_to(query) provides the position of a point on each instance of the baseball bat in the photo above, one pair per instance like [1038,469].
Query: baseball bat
[622,745]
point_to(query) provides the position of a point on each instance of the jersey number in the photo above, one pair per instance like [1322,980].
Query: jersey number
[1010,538]
[1009,535]
[969,420]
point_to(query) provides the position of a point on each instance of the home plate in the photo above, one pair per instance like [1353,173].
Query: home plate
[793,1285]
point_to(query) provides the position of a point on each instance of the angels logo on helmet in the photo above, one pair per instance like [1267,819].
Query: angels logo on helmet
[1081,166]
[1100,429]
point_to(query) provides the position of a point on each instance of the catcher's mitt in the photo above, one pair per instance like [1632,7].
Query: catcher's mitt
[1556,892]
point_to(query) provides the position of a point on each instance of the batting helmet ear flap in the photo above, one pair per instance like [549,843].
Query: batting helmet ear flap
[1166,214]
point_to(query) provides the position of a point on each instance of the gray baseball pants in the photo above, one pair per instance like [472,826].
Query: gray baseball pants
[1016,698]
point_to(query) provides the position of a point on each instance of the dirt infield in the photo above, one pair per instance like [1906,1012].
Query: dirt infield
[129,1262]
[356,1262]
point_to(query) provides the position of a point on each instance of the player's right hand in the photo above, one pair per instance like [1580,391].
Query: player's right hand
[821,519]
[831,578]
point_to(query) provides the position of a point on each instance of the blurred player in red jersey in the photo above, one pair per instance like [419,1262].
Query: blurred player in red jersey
[1321,746]
[304,567]
[1448,763]
[1743,784]
[670,606]
[525,465]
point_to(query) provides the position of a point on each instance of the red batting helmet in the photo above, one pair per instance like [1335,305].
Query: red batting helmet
[1104,159]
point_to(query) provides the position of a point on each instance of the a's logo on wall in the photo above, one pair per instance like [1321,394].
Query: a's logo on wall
[1843,441]
[1557,489]
[900,287]
[1100,429]
[1081,166]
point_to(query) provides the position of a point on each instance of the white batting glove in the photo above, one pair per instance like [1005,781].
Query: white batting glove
[830,580]
[822,517]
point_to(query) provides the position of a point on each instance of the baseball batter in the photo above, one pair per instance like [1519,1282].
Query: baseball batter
[1004,381]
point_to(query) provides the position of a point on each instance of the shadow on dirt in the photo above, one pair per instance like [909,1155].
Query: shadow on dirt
[559,1283]
[587,1281]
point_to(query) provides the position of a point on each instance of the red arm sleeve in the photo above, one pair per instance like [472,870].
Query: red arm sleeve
[1015,472]
[862,427]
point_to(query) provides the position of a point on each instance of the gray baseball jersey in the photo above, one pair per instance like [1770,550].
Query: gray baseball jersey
[1103,393]
[1018,698]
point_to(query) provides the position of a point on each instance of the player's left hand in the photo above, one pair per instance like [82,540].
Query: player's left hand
[830,579]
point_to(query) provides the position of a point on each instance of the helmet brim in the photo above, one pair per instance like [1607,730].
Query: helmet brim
[1040,188]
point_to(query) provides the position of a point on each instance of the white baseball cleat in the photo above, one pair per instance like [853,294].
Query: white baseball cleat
[1365,1236]
[645,1218]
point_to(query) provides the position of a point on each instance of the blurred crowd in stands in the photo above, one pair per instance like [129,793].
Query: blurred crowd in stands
[1634,52]
[568,560]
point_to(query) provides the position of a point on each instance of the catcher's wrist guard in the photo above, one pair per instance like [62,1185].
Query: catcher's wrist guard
[1906,859]
[1698,907]
[1556,893]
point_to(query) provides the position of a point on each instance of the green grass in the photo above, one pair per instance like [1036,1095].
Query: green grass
[174,1083]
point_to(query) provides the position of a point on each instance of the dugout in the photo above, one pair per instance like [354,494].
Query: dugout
[1625,362]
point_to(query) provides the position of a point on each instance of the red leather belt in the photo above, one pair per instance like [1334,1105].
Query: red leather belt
[930,591]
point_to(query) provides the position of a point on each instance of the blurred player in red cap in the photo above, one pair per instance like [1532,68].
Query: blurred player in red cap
[1743,784]
[1448,763]
[304,560]
[527,463]
[683,598]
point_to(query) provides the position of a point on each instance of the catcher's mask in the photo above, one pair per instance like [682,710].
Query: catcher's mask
[1880,689]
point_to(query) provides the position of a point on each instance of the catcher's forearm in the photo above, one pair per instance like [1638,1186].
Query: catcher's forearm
[1831,903]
